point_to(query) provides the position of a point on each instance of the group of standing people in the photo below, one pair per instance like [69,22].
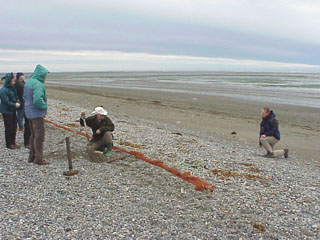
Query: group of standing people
[20,100]
[12,109]
[27,100]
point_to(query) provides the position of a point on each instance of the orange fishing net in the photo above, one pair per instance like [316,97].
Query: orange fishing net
[199,183]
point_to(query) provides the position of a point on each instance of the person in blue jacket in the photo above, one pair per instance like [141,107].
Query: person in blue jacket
[270,134]
[9,102]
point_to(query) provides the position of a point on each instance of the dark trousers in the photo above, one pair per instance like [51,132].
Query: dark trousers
[27,131]
[36,140]
[10,126]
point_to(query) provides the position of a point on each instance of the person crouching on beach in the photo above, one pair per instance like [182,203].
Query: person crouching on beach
[101,126]
[270,134]
[8,105]
[34,94]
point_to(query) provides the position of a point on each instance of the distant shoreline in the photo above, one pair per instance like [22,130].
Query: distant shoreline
[300,89]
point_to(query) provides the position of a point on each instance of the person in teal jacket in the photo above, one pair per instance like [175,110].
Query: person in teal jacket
[35,100]
[8,104]
[34,94]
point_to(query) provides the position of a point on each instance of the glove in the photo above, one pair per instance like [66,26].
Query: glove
[17,105]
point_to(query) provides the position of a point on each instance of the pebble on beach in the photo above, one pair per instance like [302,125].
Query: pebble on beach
[255,197]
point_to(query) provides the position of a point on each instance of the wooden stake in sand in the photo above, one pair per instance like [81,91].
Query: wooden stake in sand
[71,172]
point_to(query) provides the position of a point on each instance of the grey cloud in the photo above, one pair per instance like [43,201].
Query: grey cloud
[102,25]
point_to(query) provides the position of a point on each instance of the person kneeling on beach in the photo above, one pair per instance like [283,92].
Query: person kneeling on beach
[270,134]
[102,127]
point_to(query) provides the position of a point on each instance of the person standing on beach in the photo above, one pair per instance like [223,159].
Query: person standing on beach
[20,111]
[8,105]
[34,94]
[19,87]
[270,134]
[101,126]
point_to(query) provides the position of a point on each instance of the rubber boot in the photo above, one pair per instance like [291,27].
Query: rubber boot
[108,151]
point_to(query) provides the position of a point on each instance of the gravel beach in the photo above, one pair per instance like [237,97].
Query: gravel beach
[255,197]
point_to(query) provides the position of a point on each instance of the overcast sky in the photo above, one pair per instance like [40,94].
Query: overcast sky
[128,35]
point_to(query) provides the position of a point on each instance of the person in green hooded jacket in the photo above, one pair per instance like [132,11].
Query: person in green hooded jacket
[35,100]
[9,102]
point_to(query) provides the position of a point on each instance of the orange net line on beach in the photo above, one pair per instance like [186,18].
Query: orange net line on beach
[199,183]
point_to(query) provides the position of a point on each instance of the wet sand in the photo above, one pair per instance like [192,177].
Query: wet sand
[300,126]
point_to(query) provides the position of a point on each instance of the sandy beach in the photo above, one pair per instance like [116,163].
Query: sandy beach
[254,197]
[300,126]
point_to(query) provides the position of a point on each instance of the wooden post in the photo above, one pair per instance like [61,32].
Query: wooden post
[71,172]
[69,153]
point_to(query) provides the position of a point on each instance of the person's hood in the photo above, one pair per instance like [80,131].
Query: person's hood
[271,115]
[8,79]
[39,73]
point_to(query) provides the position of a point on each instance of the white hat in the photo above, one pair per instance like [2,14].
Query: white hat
[100,110]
